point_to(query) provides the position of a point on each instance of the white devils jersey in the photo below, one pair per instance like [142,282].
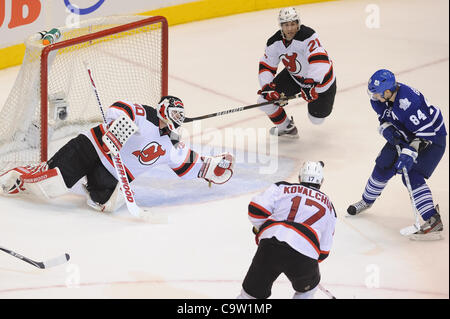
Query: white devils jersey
[301,216]
[147,148]
[304,58]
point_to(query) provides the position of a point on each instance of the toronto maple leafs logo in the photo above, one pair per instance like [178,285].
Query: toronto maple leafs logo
[404,103]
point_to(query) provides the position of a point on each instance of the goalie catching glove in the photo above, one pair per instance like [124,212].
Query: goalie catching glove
[217,169]
[118,133]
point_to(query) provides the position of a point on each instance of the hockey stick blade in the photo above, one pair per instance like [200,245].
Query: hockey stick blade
[56,261]
[408,231]
[39,264]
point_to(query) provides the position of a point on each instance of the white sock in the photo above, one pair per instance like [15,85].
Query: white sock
[305,295]
[244,295]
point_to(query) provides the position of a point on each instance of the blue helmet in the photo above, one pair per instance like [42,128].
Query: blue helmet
[381,81]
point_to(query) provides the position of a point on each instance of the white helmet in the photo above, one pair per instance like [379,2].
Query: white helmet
[170,110]
[287,15]
[312,173]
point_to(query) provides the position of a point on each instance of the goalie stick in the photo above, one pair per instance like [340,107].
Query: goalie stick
[238,109]
[39,264]
[122,178]
[125,186]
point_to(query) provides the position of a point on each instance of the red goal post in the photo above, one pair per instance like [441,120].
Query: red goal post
[51,98]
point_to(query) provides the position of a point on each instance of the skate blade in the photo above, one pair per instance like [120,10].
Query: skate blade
[427,237]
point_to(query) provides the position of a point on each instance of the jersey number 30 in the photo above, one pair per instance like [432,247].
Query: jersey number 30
[309,202]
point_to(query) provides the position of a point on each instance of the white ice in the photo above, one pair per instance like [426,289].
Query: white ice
[207,246]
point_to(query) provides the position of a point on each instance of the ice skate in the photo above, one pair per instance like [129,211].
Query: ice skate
[358,207]
[431,229]
[290,131]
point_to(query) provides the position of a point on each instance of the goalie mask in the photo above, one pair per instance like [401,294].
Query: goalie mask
[170,110]
[312,173]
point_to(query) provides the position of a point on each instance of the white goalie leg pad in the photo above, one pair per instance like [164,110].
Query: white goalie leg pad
[118,133]
[217,169]
[114,202]
[49,183]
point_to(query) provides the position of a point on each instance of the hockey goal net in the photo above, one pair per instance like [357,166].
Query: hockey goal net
[52,99]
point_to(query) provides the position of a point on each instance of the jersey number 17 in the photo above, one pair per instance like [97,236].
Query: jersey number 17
[309,202]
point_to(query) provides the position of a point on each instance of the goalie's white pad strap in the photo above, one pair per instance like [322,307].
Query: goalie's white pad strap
[114,202]
[49,183]
[118,133]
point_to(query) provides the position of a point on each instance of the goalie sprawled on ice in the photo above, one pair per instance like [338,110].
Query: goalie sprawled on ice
[144,136]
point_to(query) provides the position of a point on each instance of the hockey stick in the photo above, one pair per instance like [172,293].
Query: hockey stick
[127,191]
[407,231]
[39,264]
[326,292]
[238,109]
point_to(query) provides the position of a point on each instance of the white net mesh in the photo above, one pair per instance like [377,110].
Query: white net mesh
[127,65]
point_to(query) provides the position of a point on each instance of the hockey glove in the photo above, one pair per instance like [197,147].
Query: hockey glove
[217,169]
[308,90]
[268,92]
[406,159]
[391,134]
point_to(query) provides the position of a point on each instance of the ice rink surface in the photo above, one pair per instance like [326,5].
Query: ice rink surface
[207,245]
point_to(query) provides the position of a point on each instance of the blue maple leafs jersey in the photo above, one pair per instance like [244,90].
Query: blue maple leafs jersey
[412,115]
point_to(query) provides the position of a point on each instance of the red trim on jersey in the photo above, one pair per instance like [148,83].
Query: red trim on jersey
[323,255]
[294,229]
[99,144]
[119,108]
[271,68]
[330,73]
[185,162]
[107,156]
[265,70]
[327,61]
[261,209]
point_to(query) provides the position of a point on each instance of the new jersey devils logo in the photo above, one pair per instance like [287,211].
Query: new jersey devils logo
[150,153]
[291,63]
